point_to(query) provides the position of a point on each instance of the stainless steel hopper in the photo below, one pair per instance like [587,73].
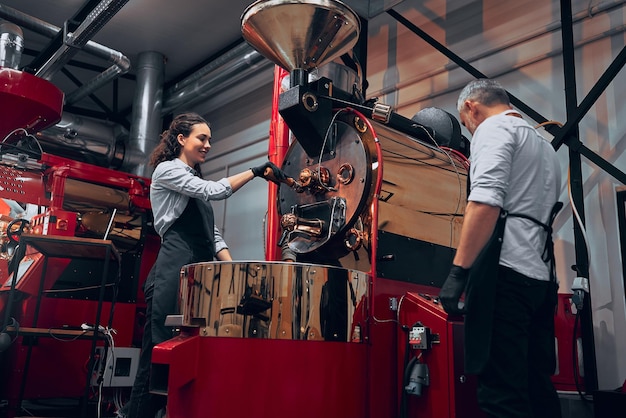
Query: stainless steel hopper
[300,35]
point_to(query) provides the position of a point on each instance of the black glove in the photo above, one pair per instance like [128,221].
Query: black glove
[452,289]
[258,171]
[269,171]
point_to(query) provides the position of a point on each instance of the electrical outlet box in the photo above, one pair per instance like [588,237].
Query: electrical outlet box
[419,338]
[119,369]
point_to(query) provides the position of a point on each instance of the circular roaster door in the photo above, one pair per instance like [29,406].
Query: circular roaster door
[336,187]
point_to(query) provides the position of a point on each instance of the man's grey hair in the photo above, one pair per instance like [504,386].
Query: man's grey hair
[484,91]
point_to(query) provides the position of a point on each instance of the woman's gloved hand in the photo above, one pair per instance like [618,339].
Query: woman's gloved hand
[452,289]
[269,171]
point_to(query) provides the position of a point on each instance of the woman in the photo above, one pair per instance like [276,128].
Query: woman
[183,217]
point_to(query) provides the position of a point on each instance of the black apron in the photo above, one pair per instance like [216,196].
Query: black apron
[189,240]
[481,289]
[479,300]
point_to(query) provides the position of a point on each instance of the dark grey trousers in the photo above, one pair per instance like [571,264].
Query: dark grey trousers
[516,381]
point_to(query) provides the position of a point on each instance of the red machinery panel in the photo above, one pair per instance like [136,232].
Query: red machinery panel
[58,357]
[22,185]
[27,102]
[281,335]
[55,222]
[261,378]
[53,295]
[568,347]
[434,341]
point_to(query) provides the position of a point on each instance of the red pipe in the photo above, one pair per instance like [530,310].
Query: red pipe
[377,189]
[57,186]
[277,148]
[462,158]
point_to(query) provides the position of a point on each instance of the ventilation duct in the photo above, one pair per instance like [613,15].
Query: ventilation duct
[120,63]
[87,140]
[27,103]
[240,63]
[147,122]
[76,40]
[121,66]
[11,45]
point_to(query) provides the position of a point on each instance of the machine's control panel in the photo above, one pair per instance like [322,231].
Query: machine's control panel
[434,299]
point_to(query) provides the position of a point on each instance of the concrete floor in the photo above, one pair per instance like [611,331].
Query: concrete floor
[572,406]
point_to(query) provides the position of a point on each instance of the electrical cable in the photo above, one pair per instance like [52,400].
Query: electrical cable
[5,338]
[582,395]
[405,366]
[549,122]
[326,135]
[458,176]
[109,358]
[459,155]
[78,289]
[576,320]
[577,215]
[580,223]
[65,340]
[27,134]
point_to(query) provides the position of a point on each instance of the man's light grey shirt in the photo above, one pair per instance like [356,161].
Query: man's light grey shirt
[515,168]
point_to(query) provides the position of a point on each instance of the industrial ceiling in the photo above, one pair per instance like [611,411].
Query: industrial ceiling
[190,34]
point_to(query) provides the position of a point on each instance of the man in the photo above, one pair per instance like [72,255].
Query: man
[505,257]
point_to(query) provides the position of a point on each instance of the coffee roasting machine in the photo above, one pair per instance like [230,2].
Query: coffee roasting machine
[340,320]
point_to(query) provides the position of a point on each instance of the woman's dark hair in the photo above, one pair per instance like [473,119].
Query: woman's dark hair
[169,147]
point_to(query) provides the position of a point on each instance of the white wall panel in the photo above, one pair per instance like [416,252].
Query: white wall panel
[240,131]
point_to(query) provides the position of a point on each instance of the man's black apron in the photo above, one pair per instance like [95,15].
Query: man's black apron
[481,289]
[189,240]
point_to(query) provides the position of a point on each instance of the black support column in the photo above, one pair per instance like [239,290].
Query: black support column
[576,185]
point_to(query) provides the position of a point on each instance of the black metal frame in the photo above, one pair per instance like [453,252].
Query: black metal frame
[621,219]
[68,247]
[568,134]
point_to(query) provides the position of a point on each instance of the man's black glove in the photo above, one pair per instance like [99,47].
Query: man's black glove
[269,171]
[452,289]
